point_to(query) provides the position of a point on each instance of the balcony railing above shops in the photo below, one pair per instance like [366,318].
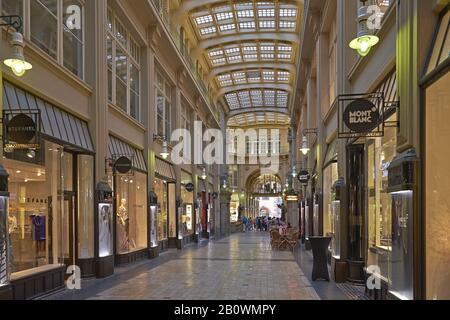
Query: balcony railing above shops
[184,52]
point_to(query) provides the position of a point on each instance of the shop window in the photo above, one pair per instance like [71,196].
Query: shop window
[131,211]
[163,105]
[46,19]
[380,153]
[123,61]
[330,176]
[437,189]
[161,192]
[35,211]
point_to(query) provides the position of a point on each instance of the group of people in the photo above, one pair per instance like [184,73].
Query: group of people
[260,223]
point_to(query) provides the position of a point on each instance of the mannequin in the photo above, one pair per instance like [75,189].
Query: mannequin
[105,230]
[123,219]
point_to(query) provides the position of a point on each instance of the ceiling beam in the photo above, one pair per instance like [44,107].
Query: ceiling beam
[251,65]
[201,47]
[236,112]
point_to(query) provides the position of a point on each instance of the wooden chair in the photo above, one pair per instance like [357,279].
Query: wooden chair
[292,241]
[276,240]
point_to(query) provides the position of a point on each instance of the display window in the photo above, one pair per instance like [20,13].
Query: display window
[37,216]
[380,153]
[187,199]
[234,207]
[161,192]
[437,188]
[131,212]
[86,207]
[330,176]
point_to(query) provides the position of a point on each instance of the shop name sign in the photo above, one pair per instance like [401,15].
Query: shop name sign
[21,131]
[123,165]
[361,116]
[304,177]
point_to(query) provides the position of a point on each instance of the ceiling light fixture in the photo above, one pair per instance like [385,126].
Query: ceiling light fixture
[364,40]
[17,61]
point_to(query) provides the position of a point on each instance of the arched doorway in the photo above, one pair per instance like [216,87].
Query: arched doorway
[264,195]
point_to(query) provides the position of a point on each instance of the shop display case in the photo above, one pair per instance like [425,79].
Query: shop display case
[339,215]
[5,288]
[402,188]
[154,214]
[105,231]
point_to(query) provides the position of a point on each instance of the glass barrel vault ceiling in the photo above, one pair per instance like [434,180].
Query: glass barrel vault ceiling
[251,48]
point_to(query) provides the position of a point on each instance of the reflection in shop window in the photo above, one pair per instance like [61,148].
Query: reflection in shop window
[35,210]
[161,192]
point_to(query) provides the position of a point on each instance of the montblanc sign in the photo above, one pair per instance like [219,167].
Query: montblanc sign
[361,116]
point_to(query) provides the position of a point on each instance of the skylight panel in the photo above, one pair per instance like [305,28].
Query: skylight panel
[287,24]
[285,48]
[284,56]
[267,56]
[218,61]
[238,75]
[266,13]
[208,30]
[250,57]
[224,77]
[227,27]
[247,25]
[250,48]
[267,48]
[204,19]
[226,83]
[232,51]
[234,58]
[267,24]
[245,14]
[288,13]
[215,53]
[224,16]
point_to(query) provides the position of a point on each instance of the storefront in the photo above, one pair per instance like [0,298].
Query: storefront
[369,238]
[51,207]
[130,202]
[436,173]
[186,228]
[164,187]
[234,208]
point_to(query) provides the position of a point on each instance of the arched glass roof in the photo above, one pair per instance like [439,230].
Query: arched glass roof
[251,47]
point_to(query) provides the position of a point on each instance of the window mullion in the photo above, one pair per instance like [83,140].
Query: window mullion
[60,33]
[113,80]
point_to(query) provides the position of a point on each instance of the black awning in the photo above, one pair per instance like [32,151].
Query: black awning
[332,153]
[118,148]
[56,124]
[165,169]
[439,56]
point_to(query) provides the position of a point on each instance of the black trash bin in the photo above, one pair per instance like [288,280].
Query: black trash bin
[319,247]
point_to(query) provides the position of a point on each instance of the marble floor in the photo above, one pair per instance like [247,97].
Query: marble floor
[240,267]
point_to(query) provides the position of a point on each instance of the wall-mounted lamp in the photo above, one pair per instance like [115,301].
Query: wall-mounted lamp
[294,172]
[17,61]
[305,148]
[165,146]
[364,40]
[204,175]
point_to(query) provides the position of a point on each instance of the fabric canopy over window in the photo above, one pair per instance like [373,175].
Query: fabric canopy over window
[118,148]
[186,177]
[165,169]
[440,51]
[56,124]
[332,153]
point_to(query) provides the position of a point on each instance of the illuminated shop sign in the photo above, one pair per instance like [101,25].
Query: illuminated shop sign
[361,115]
[21,130]
[304,177]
